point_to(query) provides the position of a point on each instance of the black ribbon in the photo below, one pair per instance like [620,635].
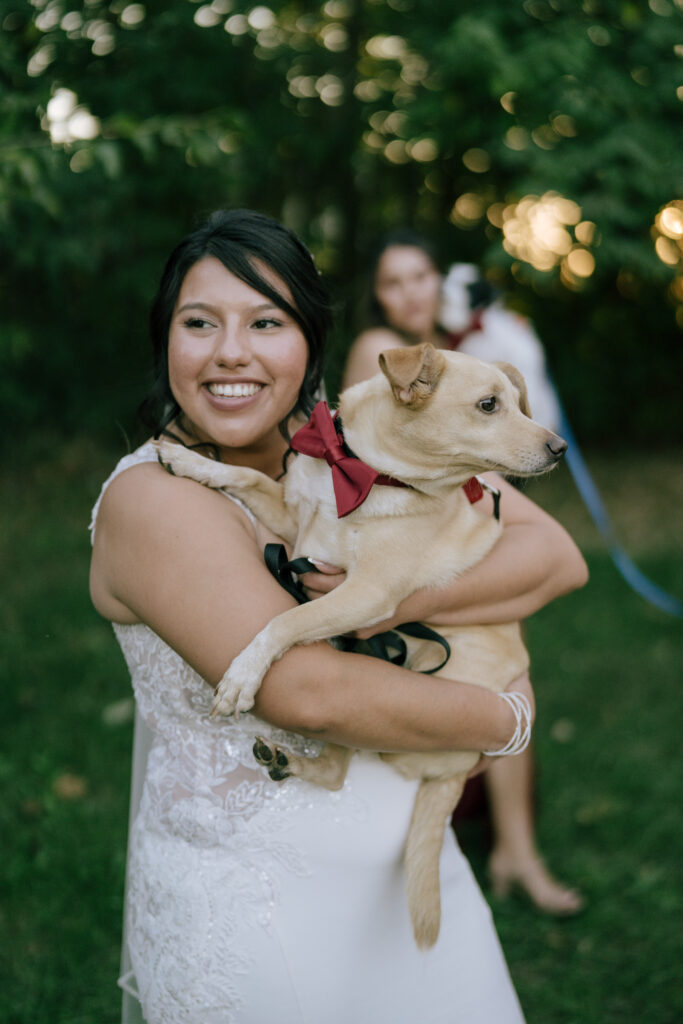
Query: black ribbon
[276,561]
[379,646]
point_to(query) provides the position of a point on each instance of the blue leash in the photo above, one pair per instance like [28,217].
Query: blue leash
[637,580]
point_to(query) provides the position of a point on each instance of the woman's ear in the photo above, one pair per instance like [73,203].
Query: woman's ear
[513,374]
[413,372]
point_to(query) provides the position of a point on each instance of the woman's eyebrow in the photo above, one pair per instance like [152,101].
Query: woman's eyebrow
[260,308]
[197,305]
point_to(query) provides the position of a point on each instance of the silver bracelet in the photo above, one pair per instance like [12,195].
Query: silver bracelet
[519,740]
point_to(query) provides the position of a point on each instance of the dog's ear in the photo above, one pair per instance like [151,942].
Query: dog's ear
[413,372]
[513,374]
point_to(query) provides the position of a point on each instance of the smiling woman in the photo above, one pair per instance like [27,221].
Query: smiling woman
[231,877]
[284,287]
[234,363]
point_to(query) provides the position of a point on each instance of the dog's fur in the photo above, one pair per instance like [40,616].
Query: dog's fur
[421,422]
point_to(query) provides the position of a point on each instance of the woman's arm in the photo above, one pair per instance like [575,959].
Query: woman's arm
[187,562]
[534,562]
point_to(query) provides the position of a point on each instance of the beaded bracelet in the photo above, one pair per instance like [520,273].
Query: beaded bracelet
[519,740]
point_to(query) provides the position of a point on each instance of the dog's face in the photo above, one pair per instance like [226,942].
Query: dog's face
[458,413]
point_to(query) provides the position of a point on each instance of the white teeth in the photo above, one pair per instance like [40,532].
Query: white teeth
[234,390]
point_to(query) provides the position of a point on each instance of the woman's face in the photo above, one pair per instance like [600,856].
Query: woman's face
[235,362]
[408,288]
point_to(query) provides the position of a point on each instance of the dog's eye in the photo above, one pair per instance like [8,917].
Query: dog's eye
[489,404]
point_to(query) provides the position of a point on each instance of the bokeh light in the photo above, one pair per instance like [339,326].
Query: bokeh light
[68,121]
[476,160]
[667,234]
[536,229]
[468,210]
[545,232]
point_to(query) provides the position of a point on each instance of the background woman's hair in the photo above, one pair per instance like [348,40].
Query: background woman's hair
[372,314]
[241,240]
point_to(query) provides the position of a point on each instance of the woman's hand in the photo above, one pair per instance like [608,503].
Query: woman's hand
[325,580]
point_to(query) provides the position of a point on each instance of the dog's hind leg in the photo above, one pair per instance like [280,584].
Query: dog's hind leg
[434,803]
[327,770]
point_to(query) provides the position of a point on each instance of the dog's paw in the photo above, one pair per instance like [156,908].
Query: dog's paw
[273,759]
[236,690]
[180,461]
[229,699]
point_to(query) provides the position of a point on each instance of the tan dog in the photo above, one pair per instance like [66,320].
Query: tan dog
[432,421]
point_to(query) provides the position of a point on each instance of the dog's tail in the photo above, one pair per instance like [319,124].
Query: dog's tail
[434,803]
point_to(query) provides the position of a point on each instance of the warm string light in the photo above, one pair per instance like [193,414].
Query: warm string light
[545,232]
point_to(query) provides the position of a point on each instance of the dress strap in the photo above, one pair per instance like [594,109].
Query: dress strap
[145,453]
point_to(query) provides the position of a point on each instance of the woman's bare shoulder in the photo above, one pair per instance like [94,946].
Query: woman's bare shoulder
[151,524]
[148,494]
[374,337]
[362,359]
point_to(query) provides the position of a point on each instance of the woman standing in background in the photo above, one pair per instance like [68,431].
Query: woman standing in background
[404,287]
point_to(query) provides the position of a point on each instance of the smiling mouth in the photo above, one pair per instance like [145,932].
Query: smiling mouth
[234,390]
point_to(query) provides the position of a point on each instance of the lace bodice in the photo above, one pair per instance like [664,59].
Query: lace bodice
[208,756]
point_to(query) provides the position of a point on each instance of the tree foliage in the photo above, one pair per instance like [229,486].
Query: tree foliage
[123,123]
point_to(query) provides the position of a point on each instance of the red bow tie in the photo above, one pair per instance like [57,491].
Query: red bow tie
[352,479]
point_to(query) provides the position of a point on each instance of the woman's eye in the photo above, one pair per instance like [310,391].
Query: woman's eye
[489,404]
[265,322]
[197,323]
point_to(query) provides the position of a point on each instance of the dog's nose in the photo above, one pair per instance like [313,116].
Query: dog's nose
[556,446]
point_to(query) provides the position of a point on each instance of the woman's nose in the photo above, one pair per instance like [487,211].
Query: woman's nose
[232,346]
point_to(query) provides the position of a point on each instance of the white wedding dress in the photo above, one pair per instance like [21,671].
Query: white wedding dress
[250,901]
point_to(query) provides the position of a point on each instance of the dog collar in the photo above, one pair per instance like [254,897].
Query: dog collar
[352,479]
[474,489]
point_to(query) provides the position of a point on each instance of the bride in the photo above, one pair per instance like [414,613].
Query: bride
[249,900]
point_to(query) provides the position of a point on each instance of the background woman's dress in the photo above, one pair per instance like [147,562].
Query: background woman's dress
[249,901]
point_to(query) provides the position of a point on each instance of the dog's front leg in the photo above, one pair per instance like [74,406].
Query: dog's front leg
[354,604]
[262,496]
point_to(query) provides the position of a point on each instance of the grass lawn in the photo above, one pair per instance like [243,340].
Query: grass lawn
[606,669]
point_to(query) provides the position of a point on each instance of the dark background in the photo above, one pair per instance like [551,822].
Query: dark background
[343,119]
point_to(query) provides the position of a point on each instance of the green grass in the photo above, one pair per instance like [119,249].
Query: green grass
[63,852]
[606,669]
